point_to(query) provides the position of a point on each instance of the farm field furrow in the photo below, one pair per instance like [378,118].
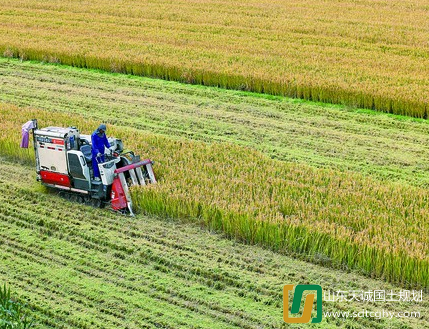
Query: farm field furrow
[89,268]
[334,218]
[367,54]
[387,147]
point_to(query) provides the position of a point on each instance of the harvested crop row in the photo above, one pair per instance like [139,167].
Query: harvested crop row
[387,147]
[85,270]
[165,257]
[93,269]
[366,54]
[376,227]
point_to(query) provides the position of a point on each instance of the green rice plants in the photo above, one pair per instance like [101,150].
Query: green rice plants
[12,313]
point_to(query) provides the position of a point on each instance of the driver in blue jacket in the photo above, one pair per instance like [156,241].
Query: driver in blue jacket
[99,141]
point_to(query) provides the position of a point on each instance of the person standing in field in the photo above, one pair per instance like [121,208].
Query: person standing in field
[99,141]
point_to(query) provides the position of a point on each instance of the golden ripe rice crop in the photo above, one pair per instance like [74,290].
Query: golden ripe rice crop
[371,54]
[339,218]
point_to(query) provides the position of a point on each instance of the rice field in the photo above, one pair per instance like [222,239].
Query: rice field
[341,219]
[304,191]
[388,147]
[80,267]
[371,54]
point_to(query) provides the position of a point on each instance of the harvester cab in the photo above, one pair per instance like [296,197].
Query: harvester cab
[64,162]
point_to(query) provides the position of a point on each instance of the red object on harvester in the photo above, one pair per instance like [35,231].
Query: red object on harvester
[119,199]
[133,166]
[49,177]
[120,195]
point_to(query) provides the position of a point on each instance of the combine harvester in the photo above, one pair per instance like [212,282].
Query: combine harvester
[64,162]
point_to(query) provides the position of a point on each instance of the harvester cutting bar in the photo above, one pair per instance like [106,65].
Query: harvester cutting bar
[121,196]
